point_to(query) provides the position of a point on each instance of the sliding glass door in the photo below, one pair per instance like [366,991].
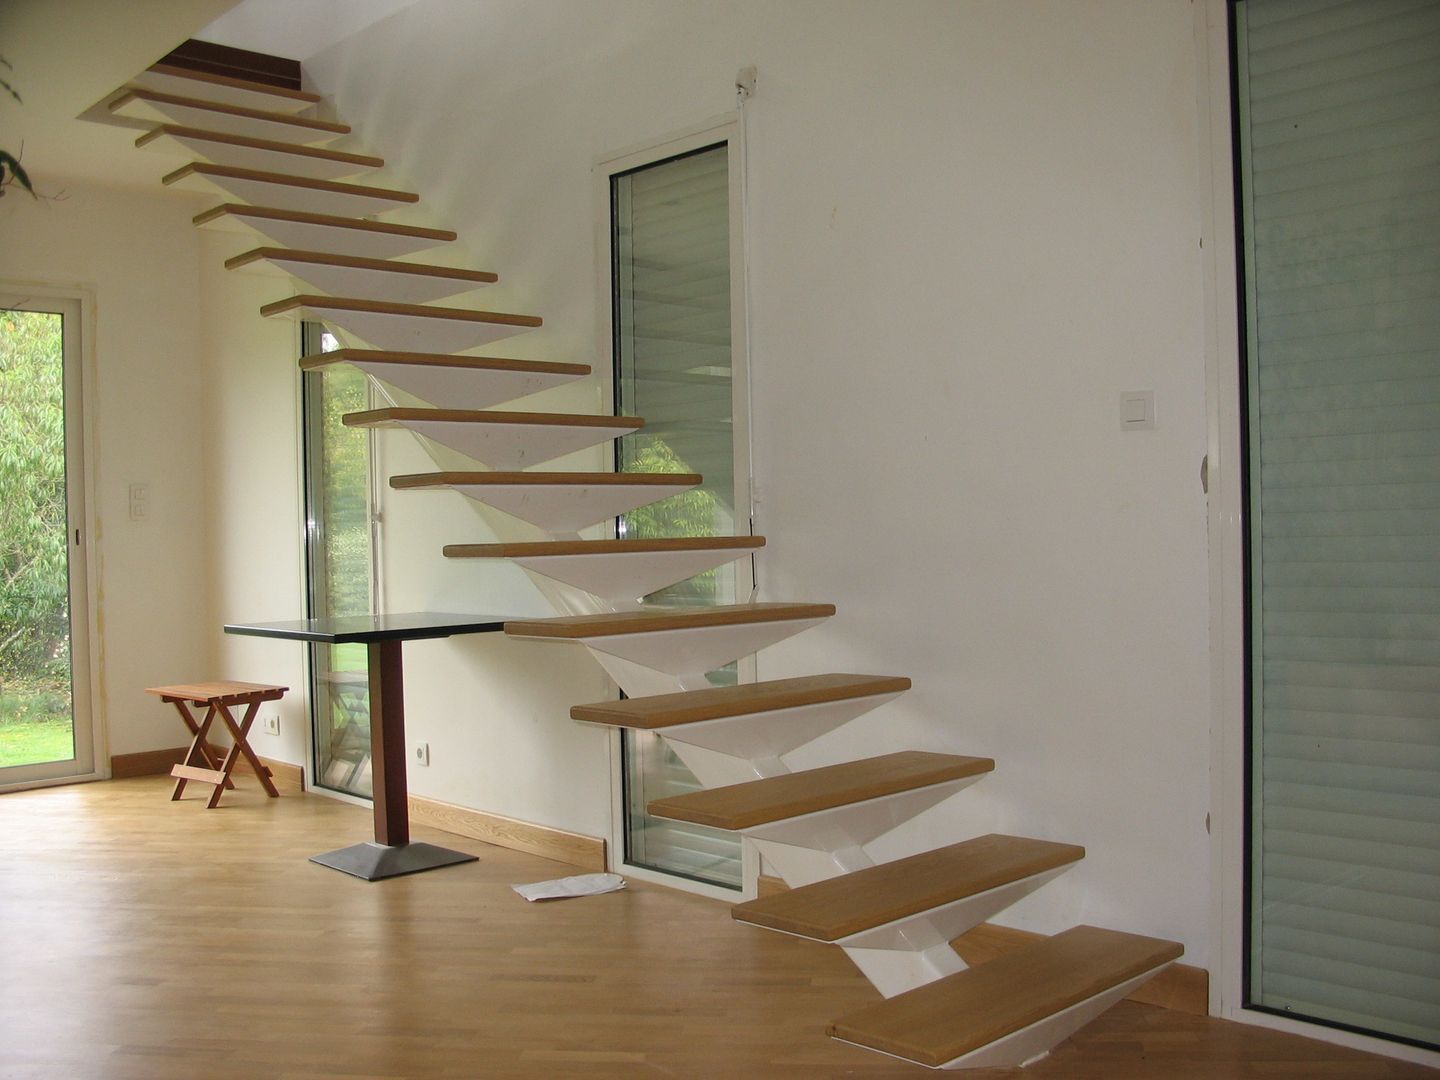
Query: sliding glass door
[1339,131]
[46,731]
[673,309]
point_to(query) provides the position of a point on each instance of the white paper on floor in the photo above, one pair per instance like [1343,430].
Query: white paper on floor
[579,885]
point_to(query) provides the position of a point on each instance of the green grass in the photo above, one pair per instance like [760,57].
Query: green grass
[35,727]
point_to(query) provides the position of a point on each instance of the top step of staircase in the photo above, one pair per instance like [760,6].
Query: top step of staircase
[840,906]
[954,1016]
[662,619]
[668,710]
[225,89]
[759,802]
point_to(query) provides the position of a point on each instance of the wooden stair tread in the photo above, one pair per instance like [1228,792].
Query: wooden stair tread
[358,262]
[264,176]
[489,416]
[940,1021]
[776,798]
[443,479]
[387,307]
[659,619]
[445,360]
[140,93]
[543,548]
[667,710]
[319,153]
[233,83]
[307,218]
[840,906]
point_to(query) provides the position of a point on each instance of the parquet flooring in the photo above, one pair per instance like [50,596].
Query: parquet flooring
[147,940]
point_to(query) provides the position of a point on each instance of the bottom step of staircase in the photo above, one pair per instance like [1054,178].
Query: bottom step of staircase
[1012,1009]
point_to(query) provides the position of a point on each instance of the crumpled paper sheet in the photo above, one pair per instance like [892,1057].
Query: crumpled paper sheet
[579,885]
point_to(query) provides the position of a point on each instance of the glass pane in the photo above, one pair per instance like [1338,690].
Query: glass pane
[339,561]
[1340,122]
[671,239]
[36,719]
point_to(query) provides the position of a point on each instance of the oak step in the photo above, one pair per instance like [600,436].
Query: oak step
[225,89]
[960,1014]
[138,103]
[668,710]
[502,440]
[557,501]
[620,572]
[742,806]
[388,325]
[663,619]
[845,905]
[408,282]
[329,232]
[267,154]
[285,192]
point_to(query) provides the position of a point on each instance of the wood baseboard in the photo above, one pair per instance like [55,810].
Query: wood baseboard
[586,852]
[287,777]
[1181,987]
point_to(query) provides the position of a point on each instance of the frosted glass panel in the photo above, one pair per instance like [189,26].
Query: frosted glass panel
[1340,140]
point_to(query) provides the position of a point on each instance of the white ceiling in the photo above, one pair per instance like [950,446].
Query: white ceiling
[296,29]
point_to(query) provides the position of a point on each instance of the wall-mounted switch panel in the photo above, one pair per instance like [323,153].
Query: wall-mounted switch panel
[139,502]
[1137,410]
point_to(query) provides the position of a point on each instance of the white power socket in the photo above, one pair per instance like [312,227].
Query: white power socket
[270,724]
[420,753]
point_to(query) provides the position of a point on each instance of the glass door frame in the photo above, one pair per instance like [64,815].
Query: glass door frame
[91,760]
[1227,523]
[727,129]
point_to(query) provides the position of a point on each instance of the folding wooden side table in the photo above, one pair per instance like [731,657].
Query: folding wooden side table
[199,763]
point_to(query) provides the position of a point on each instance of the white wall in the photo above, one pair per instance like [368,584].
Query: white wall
[972,225]
[138,257]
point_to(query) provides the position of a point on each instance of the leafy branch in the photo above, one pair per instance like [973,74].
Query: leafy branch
[11,171]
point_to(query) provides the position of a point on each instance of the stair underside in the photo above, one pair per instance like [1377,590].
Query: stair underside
[501,440]
[954,1016]
[841,906]
[408,282]
[776,798]
[286,192]
[619,572]
[663,619]
[226,89]
[557,501]
[264,154]
[326,232]
[155,107]
[669,710]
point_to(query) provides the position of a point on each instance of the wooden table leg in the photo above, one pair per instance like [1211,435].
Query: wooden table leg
[240,735]
[387,743]
[198,747]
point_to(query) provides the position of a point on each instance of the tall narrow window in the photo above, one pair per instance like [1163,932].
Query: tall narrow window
[672,315]
[46,730]
[1339,126]
[339,564]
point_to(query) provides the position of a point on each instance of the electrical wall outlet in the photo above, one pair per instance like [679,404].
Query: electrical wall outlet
[270,724]
[420,753]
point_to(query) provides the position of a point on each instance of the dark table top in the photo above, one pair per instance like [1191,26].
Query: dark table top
[407,626]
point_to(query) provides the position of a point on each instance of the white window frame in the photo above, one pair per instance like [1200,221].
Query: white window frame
[92,759]
[726,129]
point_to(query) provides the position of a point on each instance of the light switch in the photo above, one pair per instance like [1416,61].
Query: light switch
[139,502]
[1137,410]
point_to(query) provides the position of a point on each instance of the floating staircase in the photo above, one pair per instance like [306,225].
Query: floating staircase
[277,175]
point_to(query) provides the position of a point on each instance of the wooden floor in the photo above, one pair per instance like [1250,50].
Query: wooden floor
[160,941]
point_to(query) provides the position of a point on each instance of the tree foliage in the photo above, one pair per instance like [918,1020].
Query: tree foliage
[34,584]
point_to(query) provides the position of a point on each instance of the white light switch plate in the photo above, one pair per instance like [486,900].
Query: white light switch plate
[1137,410]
